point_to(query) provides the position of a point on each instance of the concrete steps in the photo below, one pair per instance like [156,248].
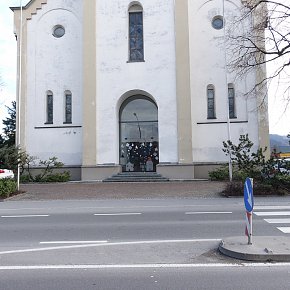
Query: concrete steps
[136,177]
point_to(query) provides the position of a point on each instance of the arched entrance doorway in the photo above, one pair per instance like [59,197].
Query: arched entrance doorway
[139,149]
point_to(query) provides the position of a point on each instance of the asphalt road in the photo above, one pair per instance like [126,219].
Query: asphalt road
[132,244]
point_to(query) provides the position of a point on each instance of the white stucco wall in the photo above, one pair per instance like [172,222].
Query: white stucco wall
[116,77]
[208,67]
[55,64]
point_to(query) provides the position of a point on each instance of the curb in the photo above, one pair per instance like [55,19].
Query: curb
[263,249]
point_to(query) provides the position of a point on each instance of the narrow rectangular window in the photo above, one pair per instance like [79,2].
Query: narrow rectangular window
[136,36]
[49,108]
[210,104]
[68,108]
[231,95]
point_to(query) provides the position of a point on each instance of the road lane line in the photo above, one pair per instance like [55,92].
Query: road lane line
[277,221]
[135,266]
[118,214]
[285,230]
[271,207]
[272,213]
[71,242]
[209,212]
[25,216]
[104,207]
[106,245]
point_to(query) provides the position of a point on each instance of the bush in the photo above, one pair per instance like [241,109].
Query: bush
[7,186]
[221,173]
[9,157]
[268,178]
[57,177]
[46,168]
[236,188]
[24,178]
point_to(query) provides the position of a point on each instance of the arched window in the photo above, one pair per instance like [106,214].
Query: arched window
[231,96]
[139,145]
[67,107]
[210,102]
[136,45]
[49,107]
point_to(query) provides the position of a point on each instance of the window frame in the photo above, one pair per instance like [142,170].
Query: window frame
[49,107]
[231,102]
[211,111]
[135,8]
[67,114]
[55,31]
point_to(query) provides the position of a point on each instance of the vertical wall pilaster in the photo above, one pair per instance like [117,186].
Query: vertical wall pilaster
[183,82]
[21,93]
[261,93]
[89,84]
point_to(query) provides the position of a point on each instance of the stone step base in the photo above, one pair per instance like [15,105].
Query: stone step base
[136,177]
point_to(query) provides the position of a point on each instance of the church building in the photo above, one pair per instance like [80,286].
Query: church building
[111,86]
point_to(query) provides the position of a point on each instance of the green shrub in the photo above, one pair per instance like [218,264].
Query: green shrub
[45,168]
[7,186]
[221,173]
[268,178]
[236,188]
[24,178]
[57,177]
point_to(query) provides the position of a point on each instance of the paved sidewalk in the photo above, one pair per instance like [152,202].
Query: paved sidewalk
[99,190]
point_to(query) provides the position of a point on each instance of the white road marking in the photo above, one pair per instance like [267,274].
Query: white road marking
[71,242]
[285,230]
[118,214]
[144,266]
[104,207]
[106,244]
[271,207]
[277,221]
[209,212]
[272,213]
[25,216]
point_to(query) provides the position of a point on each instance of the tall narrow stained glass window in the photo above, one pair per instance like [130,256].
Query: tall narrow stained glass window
[49,108]
[210,102]
[136,45]
[231,96]
[68,107]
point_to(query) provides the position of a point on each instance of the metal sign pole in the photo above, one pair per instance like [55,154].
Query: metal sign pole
[19,94]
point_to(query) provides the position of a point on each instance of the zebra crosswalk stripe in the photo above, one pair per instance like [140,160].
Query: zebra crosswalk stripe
[278,221]
[273,213]
[285,230]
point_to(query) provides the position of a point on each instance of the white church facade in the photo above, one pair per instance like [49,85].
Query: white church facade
[119,85]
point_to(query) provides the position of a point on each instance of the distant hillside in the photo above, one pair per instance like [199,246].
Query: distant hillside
[277,140]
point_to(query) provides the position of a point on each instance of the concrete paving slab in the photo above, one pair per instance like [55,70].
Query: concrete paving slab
[102,190]
[263,249]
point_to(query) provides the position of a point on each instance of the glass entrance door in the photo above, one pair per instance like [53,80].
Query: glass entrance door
[139,150]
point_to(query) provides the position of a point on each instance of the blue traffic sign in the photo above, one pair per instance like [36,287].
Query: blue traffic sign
[248,195]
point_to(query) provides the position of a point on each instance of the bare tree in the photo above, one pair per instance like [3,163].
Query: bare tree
[264,39]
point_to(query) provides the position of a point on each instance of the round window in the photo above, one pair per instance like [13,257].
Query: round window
[58,31]
[218,22]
